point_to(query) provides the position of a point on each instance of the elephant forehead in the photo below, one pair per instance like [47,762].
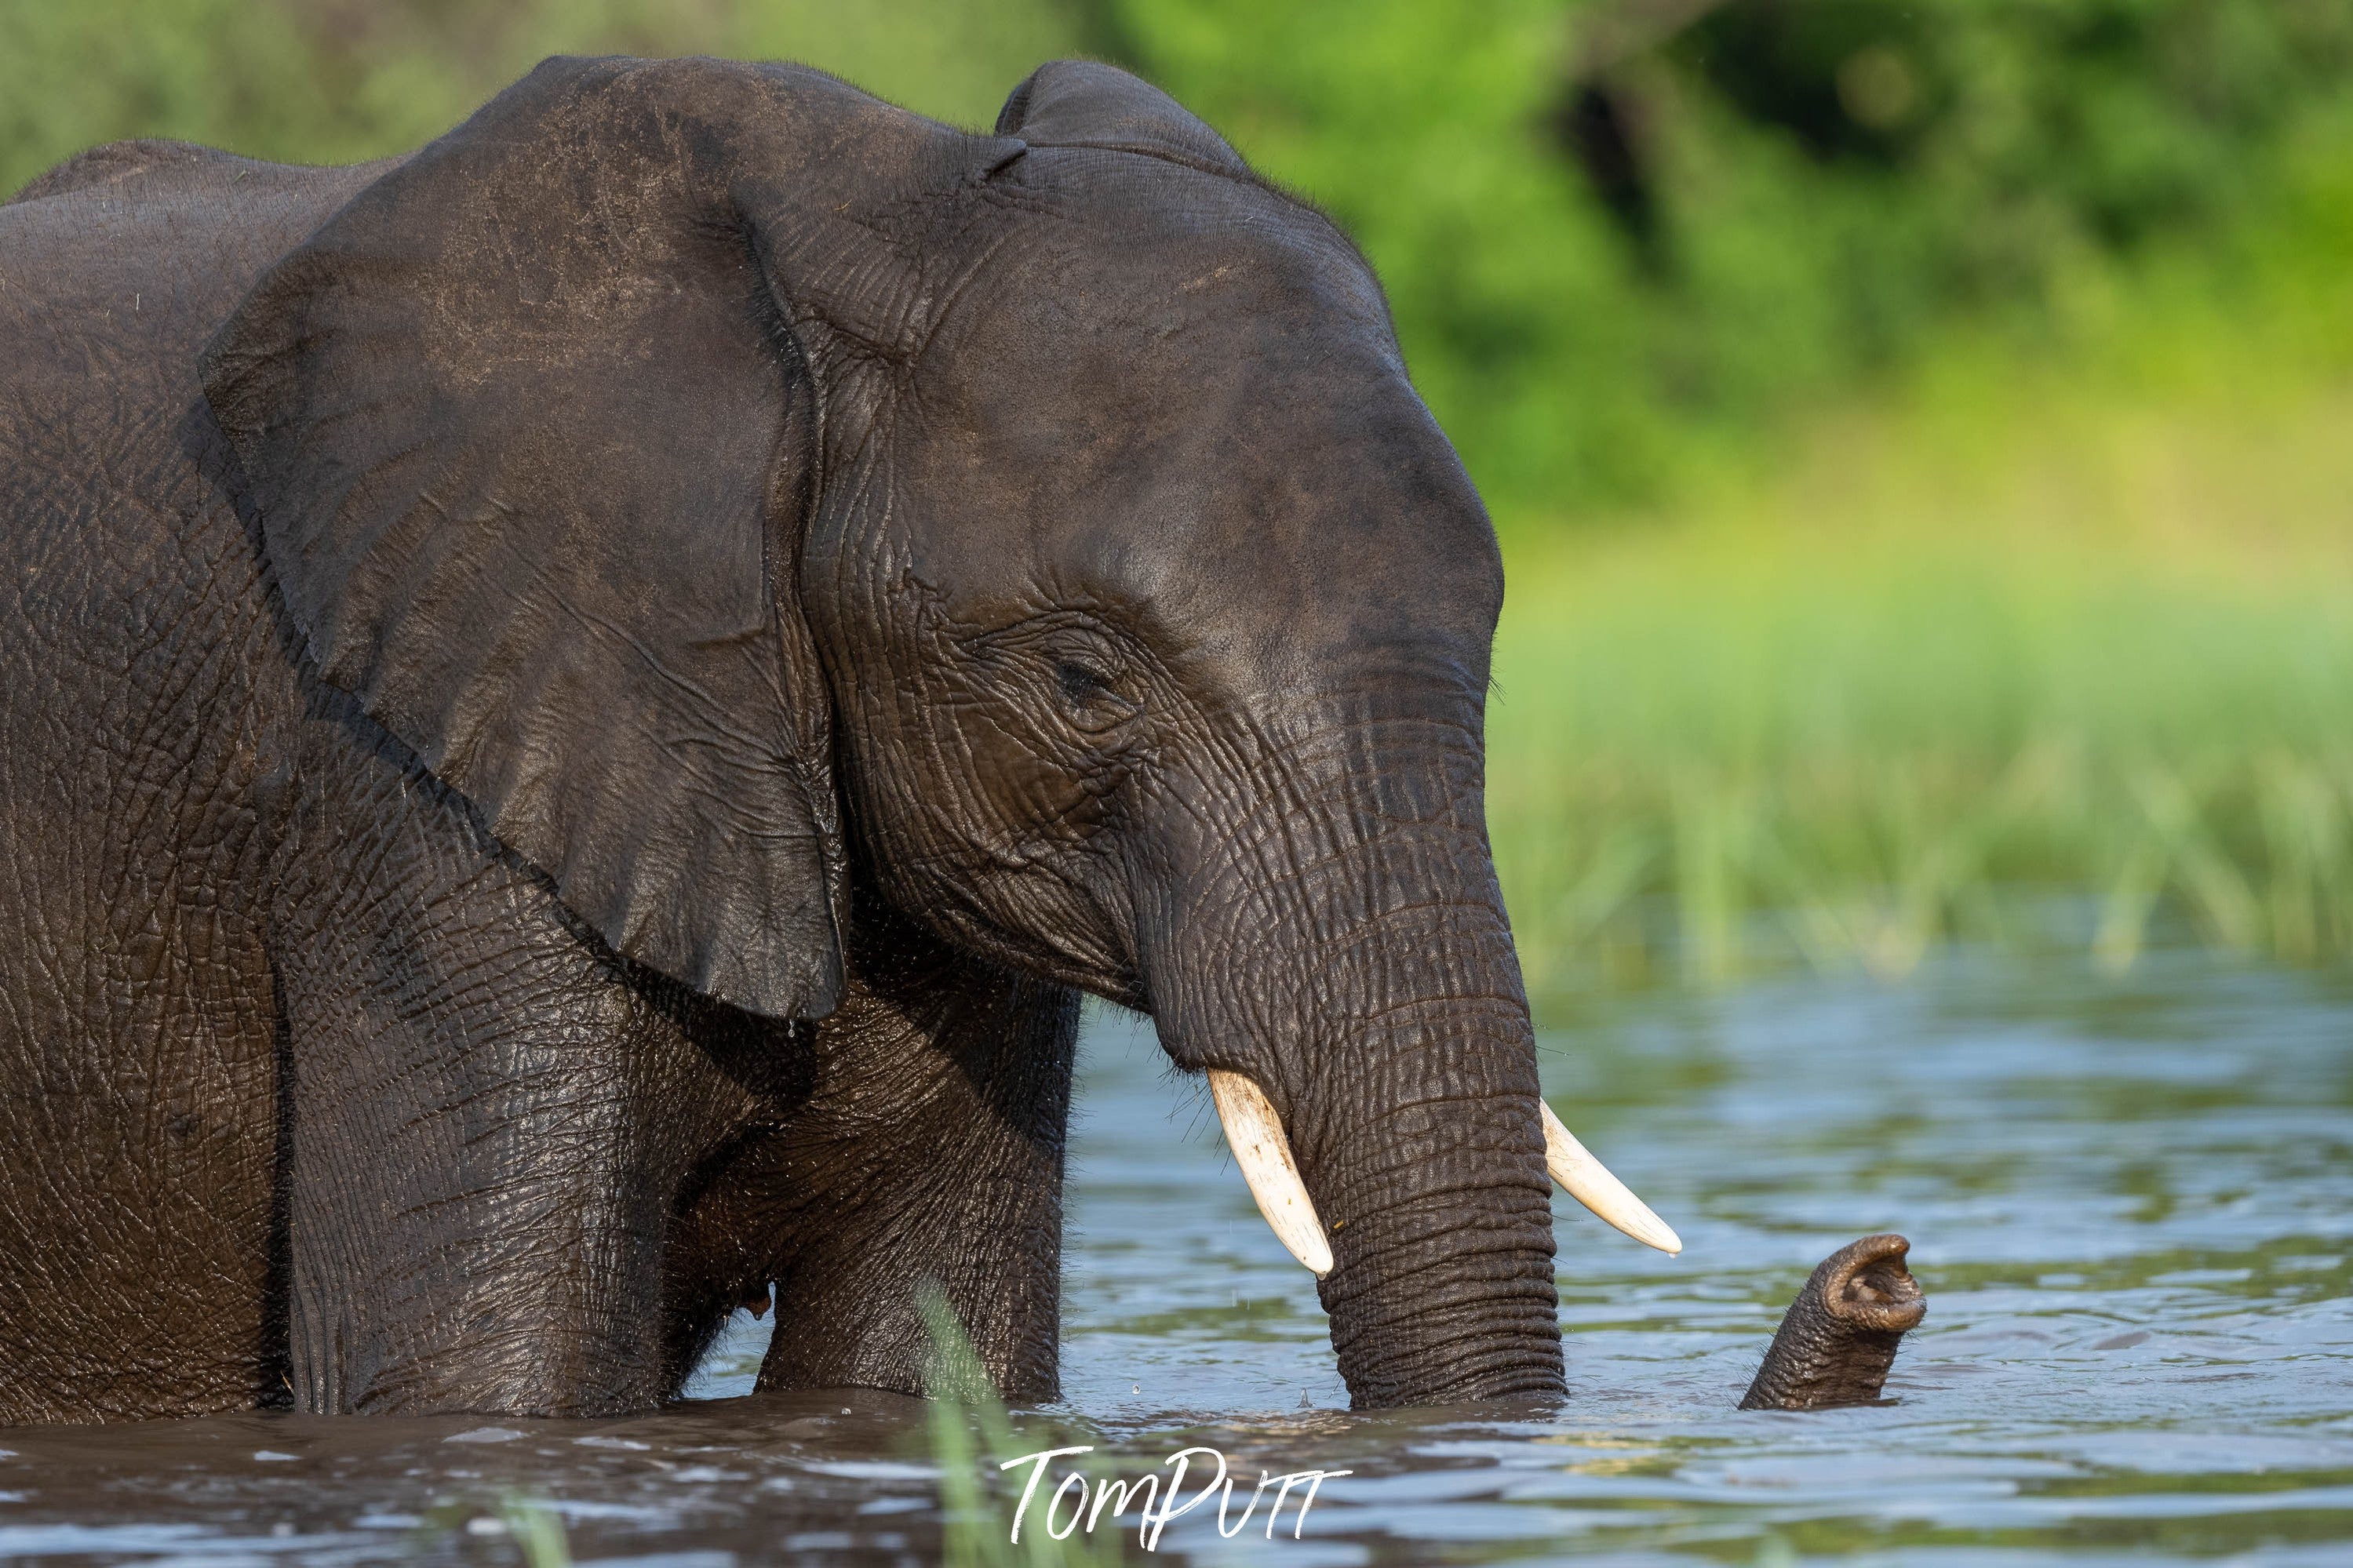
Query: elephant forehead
[1124,267]
[1268,525]
[1174,396]
[1131,208]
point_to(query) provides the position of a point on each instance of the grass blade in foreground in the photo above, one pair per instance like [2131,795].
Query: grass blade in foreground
[978,1533]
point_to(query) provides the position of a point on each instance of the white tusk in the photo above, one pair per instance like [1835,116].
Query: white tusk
[1588,1181]
[1254,1134]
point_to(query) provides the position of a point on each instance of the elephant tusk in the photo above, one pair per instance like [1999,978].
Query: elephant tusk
[1588,1181]
[1254,1134]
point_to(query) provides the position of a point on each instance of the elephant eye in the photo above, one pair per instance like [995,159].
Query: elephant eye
[1094,699]
[1079,684]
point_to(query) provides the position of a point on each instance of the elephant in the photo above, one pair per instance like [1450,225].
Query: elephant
[579,707]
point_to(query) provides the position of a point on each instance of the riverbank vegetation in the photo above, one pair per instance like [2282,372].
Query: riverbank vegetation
[2048,641]
[1918,430]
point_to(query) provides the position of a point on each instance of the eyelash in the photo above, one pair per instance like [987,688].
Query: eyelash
[1078,683]
[1090,701]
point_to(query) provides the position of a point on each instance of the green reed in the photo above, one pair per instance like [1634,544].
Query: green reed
[1717,750]
[971,1434]
[538,1532]
[1709,874]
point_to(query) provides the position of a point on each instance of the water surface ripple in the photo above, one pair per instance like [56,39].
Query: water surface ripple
[2131,1203]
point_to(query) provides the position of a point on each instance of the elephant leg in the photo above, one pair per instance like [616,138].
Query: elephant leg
[485,1125]
[471,1225]
[930,1147]
[137,1161]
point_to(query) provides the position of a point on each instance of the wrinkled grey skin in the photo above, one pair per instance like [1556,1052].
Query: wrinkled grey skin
[576,709]
[1839,1336]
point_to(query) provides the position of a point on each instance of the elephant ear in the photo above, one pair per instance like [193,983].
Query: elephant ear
[530,446]
[1079,103]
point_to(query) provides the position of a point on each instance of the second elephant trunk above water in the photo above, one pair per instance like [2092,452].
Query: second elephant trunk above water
[1839,1337]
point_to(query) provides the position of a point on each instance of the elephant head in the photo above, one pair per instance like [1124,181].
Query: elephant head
[746,492]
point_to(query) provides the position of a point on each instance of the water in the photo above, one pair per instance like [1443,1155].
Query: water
[2131,1203]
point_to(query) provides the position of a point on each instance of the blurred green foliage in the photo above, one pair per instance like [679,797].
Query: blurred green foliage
[339,80]
[1616,231]
[2029,650]
[2045,599]
[1620,235]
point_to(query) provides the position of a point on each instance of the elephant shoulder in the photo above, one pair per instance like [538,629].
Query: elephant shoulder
[158,170]
[173,216]
[116,265]
[117,164]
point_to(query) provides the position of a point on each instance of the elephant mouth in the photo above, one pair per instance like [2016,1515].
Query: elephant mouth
[1254,1132]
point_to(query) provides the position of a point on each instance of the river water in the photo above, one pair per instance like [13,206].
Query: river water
[2131,1203]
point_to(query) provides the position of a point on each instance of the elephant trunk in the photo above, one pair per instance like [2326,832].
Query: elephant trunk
[1839,1336]
[1441,1288]
[1358,1006]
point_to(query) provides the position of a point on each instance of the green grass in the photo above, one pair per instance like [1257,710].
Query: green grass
[971,1434]
[1851,762]
[2052,643]
[538,1531]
